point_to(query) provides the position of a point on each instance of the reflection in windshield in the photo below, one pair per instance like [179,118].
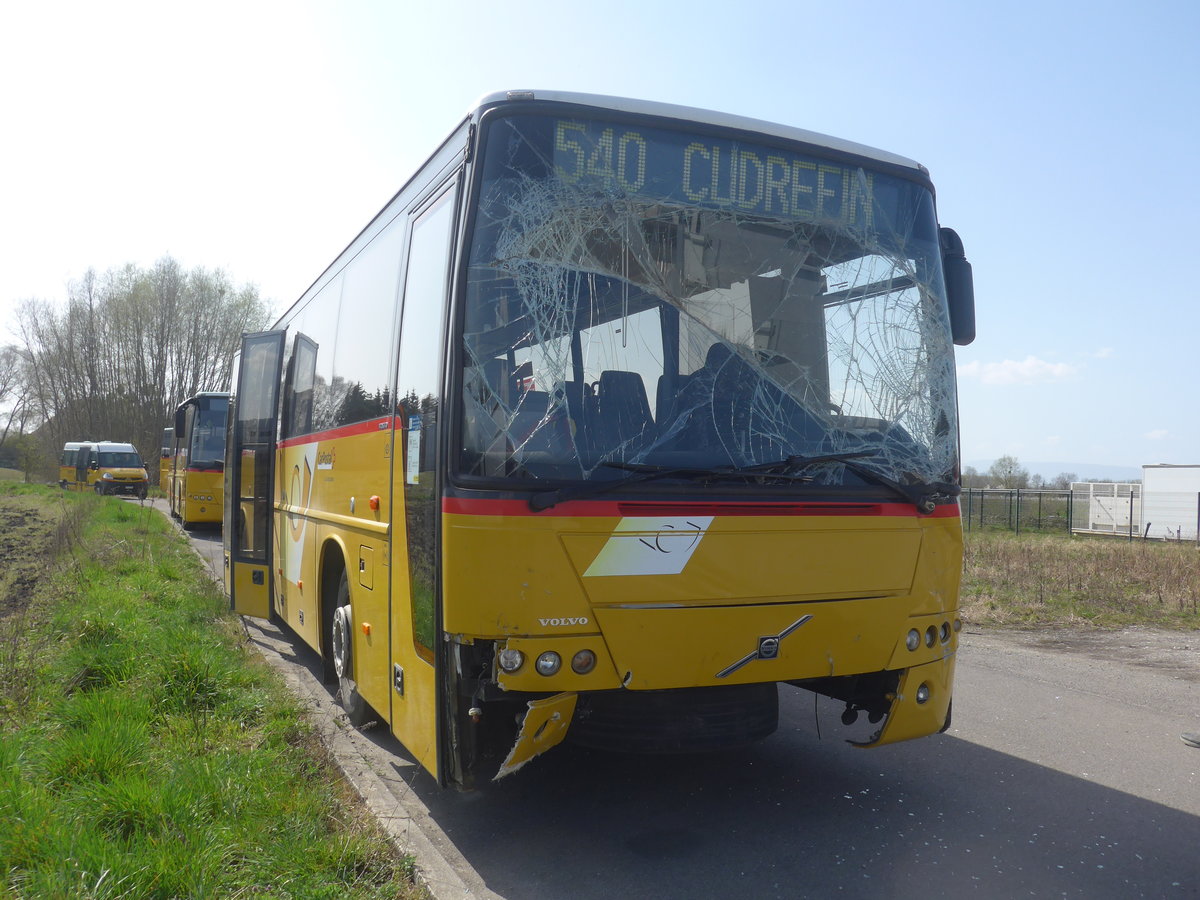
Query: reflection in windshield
[636,320]
[208,434]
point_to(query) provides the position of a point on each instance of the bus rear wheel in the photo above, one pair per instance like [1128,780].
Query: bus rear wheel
[342,650]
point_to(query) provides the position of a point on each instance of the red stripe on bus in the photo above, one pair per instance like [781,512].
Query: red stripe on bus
[369,427]
[628,508]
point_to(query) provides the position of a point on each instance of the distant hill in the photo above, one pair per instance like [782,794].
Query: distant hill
[1083,471]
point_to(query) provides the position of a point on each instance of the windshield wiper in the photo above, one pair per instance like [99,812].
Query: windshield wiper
[641,472]
[923,496]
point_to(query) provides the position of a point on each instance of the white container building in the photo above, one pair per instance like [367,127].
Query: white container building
[1171,501]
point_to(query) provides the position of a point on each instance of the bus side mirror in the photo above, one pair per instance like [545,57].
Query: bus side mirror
[960,287]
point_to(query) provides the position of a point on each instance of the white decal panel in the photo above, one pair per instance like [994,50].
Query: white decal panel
[300,484]
[644,545]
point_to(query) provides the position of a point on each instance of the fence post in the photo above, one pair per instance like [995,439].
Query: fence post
[1131,515]
[1070,511]
[1017,530]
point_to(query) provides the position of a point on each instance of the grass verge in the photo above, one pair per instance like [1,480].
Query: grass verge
[1037,579]
[145,749]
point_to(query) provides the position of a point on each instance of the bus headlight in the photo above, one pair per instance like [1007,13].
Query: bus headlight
[913,641]
[583,662]
[510,660]
[548,663]
[923,694]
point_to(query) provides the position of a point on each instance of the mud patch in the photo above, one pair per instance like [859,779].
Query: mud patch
[26,547]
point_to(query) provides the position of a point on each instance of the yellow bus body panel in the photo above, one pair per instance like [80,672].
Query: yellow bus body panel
[843,591]
[324,492]
[200,496]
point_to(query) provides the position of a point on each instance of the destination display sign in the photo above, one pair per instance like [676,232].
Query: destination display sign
[708,171]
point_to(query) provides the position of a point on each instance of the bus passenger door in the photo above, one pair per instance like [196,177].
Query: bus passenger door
[419,674]
[249,470]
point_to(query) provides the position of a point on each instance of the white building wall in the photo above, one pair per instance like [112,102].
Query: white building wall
[1171,501]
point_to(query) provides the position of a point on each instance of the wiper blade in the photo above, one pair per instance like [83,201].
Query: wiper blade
[796,463]
[640,473]
[924,496]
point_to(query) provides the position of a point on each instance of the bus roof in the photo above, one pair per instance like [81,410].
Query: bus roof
[705,116]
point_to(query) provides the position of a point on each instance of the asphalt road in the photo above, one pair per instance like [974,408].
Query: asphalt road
[1063,776]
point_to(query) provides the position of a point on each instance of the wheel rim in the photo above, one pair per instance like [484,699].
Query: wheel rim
[341,643]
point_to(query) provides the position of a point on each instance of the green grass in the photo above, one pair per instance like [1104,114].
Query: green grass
[11,475]
[145,748]
[1037,579]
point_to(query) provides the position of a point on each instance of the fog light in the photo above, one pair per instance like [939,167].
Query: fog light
[913,641]
[583,662]
[548,663]
[923,694]
[958,624]
[944,634]
[930,636]
[510,660]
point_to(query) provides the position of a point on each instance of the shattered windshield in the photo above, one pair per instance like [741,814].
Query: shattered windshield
[638,295]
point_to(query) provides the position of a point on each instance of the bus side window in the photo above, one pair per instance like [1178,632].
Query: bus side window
[298,401]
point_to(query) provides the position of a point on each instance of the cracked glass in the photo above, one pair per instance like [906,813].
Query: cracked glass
[641,294]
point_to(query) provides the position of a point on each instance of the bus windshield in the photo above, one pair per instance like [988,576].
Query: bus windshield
[208,434]
[642,296]
[119,459]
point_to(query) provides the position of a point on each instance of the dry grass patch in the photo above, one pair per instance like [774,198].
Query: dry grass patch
[1035,579]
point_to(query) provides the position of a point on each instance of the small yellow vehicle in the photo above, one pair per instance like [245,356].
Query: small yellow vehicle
[110,468]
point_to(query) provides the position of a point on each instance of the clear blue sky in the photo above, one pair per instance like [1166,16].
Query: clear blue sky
[260,137]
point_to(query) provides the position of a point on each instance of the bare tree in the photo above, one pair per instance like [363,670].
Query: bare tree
[1007,472]
[129,347]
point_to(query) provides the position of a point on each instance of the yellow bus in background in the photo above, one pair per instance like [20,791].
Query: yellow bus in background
[619,419]
[196,484]
[166,459]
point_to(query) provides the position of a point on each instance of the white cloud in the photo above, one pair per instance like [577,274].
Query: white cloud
[1156,435]
[1103,353]
[1030,370]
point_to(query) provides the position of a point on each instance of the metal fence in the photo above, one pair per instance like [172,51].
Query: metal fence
[1088,508]
[1016,510]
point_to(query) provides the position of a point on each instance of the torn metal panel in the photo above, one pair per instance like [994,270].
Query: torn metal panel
[722,306]
[544,727]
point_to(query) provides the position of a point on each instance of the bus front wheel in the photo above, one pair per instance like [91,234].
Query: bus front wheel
[342,650]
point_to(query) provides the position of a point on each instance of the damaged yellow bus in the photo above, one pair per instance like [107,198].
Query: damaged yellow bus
[616,419]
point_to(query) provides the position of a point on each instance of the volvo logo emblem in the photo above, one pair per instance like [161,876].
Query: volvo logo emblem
[768,648]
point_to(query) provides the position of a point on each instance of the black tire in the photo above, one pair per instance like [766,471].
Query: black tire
[341,652]
[99,488]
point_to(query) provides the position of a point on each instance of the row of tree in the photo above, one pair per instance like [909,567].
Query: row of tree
[115,361]
[1008,473]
